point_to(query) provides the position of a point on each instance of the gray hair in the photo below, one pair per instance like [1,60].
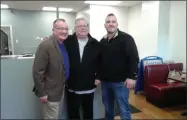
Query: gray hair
[79,19]
[60,19]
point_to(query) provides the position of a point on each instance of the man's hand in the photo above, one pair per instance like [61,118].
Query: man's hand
[130,83]
[43,99]
[97,82]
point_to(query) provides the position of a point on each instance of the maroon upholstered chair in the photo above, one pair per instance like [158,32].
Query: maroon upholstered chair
[158,91]
[176,66]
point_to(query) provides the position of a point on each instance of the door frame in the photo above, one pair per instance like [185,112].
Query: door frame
[11,37]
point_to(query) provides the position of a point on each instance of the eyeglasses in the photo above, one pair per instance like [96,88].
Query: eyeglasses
[61,28]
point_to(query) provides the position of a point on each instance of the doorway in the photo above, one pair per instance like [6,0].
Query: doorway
[6,41]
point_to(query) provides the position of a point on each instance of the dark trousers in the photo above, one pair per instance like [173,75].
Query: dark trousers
[75,101]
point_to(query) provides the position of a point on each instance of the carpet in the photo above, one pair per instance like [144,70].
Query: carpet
[134,109]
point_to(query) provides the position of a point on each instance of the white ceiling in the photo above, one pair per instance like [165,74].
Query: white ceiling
[37,5]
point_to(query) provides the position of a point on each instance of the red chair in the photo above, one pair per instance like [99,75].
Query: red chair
[176,66]
[158,91]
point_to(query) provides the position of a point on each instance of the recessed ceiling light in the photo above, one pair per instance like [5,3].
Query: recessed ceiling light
[4,6]
[65,9]
[49,8]
[55,9]
[103,2]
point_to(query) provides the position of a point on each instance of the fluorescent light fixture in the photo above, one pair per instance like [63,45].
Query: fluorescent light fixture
[55,9]
[103,2]
[49,8]
[65,9]
[4,6]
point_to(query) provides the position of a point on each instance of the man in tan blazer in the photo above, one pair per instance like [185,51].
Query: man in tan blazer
[51,69]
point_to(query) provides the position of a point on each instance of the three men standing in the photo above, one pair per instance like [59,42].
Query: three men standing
[113,61]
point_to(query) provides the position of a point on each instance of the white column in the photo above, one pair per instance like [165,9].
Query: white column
[149,25]
[134,26]
[177,32]
[163,29]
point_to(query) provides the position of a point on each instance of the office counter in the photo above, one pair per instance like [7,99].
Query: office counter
[17,99]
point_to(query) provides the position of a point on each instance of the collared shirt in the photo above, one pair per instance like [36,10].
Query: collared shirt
[66,59]
[116,34]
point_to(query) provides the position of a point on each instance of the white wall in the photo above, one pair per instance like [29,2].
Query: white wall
[98,15]
[83,13]
[159,29]
[143,26]
[177,32]
[163,29]
[149,25]
[134,25]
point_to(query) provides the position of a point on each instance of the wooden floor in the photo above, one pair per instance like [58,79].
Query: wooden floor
[150,111]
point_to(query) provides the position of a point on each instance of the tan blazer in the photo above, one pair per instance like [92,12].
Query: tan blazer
[48,70]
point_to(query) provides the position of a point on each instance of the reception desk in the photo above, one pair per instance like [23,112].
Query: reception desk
[17,99]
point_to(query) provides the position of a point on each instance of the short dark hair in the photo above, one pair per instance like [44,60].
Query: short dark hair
[111,14]
[59,19]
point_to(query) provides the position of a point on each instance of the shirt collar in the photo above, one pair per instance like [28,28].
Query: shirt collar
[83,40]
[60,42]
[116,34]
